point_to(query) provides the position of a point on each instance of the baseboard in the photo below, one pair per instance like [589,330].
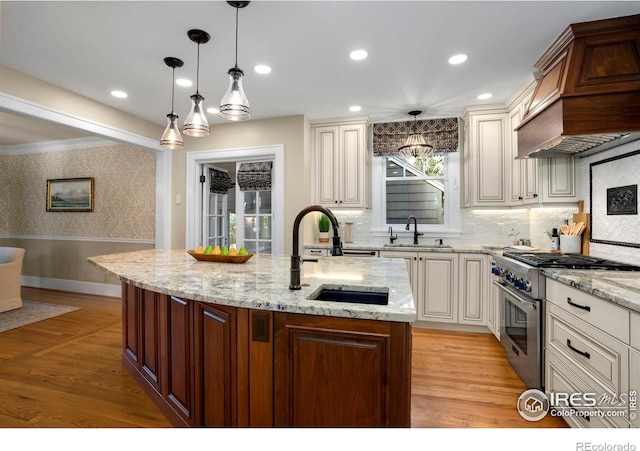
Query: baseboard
[452,327]
[74,286]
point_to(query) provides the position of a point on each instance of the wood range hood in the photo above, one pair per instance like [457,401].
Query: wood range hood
[588,95]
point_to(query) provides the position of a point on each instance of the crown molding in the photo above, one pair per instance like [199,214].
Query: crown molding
[56,146]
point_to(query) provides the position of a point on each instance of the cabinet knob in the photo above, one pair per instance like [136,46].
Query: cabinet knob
[535,195]
[519,197]
[336,201]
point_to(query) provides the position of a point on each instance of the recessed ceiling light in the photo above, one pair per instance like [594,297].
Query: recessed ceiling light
[457,59]
[213,110]
[119,94]
[485,96]
[184,82]
[262,69]
[358,55]
[355,108]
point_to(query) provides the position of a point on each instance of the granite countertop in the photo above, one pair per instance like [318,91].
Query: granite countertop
[263,282]
[619,287]
[459,248]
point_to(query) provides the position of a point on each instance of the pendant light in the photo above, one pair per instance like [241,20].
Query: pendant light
[171,138]
[415,144]
[196,123]
[234,106]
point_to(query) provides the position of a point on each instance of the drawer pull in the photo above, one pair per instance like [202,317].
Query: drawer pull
[582,353]
[583,307]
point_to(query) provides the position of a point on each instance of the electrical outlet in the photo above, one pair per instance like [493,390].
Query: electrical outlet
[500,227]
[469,227]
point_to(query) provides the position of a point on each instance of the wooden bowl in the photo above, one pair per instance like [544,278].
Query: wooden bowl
[220,258]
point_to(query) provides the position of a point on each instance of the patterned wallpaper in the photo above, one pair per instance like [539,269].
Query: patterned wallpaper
[124,193]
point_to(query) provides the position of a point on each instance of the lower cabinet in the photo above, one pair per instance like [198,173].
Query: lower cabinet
[205,364]
[587,351]
[338,372]
[448,287]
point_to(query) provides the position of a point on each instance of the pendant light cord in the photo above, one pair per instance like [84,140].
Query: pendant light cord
[173,88]
[198,70]
[237,9]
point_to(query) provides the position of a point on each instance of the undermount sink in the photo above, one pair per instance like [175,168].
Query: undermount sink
[429,246]
[351,294]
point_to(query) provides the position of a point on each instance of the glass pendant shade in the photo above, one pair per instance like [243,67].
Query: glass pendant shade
[171,138]
[234,106]
[196,123]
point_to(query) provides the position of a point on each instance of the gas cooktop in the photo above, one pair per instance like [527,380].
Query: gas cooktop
[568,261]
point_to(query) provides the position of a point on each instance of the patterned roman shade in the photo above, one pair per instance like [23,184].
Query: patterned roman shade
[220,181]
[442,134]
[254,176]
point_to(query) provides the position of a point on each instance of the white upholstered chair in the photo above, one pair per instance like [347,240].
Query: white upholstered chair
[10,272]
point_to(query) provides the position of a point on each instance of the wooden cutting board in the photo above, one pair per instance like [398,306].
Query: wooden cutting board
[581,216]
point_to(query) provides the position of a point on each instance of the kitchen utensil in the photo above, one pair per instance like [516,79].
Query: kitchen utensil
[583,217]
[564,228]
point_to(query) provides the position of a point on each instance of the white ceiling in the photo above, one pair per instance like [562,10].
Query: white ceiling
[92,47]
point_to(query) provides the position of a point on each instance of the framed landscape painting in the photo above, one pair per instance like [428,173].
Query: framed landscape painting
[70,194]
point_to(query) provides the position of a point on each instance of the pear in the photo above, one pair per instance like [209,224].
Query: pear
[243,251]
[208,250]
[224,251]
[216,250]
[200,250]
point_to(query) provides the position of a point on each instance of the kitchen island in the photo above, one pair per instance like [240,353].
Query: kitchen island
[217,344]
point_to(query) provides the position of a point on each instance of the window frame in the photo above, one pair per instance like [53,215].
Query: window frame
[451,226]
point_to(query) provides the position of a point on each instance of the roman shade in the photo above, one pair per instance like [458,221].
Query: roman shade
[442,134]
[255,176]
[220,181]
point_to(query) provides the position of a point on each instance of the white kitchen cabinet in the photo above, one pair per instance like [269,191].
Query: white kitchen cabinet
[473,292]
[341,161]
[559,179]
[448,287]
[437,287]
[524,173]
[493,307]
[587,345]
[486,159]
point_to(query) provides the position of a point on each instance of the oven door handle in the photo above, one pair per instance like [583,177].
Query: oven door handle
[525,302]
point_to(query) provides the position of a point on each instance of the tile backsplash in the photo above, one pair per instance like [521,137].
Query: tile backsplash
[478,226]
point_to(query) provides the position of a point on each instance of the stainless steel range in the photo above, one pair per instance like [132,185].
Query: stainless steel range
[521,286]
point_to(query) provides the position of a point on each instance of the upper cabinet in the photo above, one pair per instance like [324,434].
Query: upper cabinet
[486,158]
[492,176]
[341,161]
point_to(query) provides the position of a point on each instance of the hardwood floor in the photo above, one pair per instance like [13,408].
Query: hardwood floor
[66,372]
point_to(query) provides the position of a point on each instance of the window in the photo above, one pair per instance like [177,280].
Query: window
[257,221]
[423,187]
[415,188]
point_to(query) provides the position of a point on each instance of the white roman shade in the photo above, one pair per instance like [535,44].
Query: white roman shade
[442,134]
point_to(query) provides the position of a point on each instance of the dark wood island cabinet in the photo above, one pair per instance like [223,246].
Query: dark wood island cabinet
[206,364]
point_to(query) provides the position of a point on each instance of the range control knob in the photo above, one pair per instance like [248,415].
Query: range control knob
[496,271]
[526,285]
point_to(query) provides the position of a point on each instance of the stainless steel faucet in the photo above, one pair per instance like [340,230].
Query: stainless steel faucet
[391,237]
[294,283]
[415,228]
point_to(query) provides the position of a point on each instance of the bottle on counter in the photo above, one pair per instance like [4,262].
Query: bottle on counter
[555,240]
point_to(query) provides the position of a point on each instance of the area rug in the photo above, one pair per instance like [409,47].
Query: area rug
[31,312]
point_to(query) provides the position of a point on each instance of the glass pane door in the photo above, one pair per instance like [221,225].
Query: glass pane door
[257,221]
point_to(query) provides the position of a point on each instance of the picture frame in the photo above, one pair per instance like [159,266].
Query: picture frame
[614,200]
[70,195]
